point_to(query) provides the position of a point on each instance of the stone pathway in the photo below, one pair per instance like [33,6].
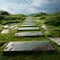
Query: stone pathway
[28,46]
[56,40]
[28,23]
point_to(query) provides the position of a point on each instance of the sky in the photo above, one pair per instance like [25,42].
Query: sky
[30,6]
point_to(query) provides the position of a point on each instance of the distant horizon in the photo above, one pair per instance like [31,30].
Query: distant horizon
[28,14]
[28,7]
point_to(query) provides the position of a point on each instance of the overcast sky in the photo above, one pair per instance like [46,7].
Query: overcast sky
[30,6]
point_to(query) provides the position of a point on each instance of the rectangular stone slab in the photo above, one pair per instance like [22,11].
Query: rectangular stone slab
[27,25]
[28,46]
[28,34]
[28,28]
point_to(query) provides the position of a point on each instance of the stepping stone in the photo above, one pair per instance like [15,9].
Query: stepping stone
[28,28]
[28,46]
[28,25]
[11,27]
[56,40]
[5,31]
[28,34]
[6,26]
[28,22]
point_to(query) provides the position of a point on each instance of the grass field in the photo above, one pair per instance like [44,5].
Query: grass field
[5,38]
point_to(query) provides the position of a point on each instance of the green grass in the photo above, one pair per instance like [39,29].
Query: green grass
[37,56]
[54,31]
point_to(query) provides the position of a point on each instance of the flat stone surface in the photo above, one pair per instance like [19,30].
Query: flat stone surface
[56,40]
[11,27]
[6,26]
[27,25]
[29,34]
[28,46]
[28,28]
[5,31]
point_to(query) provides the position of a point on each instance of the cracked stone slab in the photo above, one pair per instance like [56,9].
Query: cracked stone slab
[28,34]
[28,28]
[28,46]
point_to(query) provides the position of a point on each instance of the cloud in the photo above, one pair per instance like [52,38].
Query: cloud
[19,8]
[49,6]
[39,2]
[32,10]
[30,6]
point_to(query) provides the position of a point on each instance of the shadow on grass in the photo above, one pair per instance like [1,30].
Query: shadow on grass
[29,36]
[29,53]
[2,43]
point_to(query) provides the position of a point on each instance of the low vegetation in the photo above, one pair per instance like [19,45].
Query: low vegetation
[39,19]
[51,21]
[6,18]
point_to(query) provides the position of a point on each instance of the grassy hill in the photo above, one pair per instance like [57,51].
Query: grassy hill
[52,21]
[6,18]
[39,19]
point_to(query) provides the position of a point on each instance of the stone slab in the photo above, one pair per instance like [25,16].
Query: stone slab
[5,31]
[27,25]
[28,46]
[28,28]
[5,26]
[28,34]
[56,40]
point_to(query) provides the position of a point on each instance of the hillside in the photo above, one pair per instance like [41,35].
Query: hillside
[22,28]
[6,17]
[52,21]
